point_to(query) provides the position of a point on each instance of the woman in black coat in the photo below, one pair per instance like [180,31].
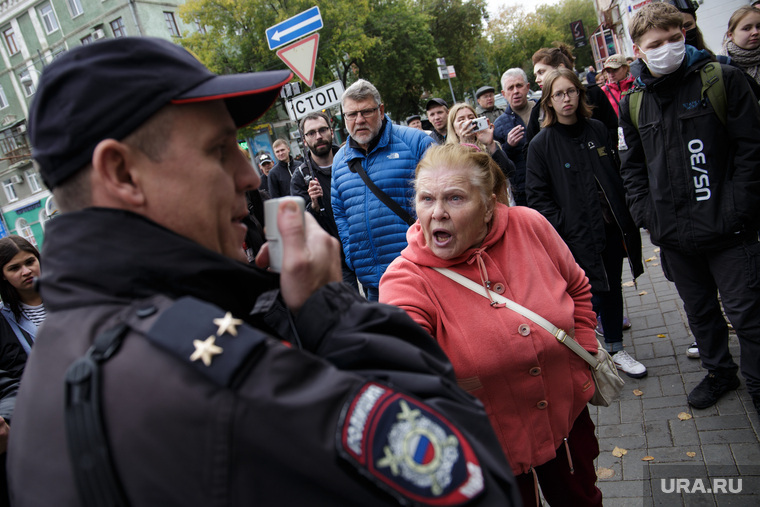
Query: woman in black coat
[573,179]
[547,59]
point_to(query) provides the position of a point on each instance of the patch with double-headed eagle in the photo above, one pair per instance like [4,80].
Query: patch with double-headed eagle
[408,448]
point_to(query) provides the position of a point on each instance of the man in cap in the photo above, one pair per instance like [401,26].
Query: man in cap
[619,80]
[265,166]
[486,98]
[414,121]
[438,115]
[169,371]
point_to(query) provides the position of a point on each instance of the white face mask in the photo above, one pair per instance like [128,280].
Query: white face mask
[666,59]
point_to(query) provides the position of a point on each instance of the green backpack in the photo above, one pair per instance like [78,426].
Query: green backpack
[712,88]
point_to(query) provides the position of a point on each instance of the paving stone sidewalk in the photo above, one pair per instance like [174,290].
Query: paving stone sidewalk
[721,441]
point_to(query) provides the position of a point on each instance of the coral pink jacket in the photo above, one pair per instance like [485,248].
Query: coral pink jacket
[532,386]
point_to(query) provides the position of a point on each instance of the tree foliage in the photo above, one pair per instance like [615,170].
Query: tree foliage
[513,36]
[391,43]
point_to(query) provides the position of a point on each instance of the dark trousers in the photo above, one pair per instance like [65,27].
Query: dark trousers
[371,293]
[559,486]
[608,304]
[735,273]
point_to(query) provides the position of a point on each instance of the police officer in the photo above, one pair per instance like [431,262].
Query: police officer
[169,371]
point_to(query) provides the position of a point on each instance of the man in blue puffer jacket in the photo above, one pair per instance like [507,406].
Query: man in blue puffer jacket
[372,234]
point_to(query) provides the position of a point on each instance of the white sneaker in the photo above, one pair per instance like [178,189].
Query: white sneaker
[693,351]
[629,365]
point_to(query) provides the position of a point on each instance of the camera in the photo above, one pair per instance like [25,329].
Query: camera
[479,124]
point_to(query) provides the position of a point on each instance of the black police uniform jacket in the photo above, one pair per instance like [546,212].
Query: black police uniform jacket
[361,409]
[693,183]
[563,178]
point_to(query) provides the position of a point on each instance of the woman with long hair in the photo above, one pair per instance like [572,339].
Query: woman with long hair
[573,179]
[742,40]
[22,305]
[461,130]
[21,311]
[561,56]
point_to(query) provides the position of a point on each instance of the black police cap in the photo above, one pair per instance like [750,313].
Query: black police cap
[108,89]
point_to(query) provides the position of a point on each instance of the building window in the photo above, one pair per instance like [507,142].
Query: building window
[171,24]
[8,143]
[87,40]
[23,230]
[75,7]
[48,18]
[27,83]
[201,28]
[33,178]
[10,41]
[10,192]
[3,99]
[118,28]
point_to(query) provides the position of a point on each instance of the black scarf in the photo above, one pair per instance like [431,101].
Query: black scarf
[100,256]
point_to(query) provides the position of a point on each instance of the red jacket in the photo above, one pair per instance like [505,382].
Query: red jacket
[614,92]
[532,386]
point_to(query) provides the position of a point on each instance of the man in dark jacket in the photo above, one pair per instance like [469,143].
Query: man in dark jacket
[509,128]
[692,179]
[169,371]
[312,179]
[282,172]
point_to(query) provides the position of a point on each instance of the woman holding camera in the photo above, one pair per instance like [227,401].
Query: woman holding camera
[465,127]
[573,179]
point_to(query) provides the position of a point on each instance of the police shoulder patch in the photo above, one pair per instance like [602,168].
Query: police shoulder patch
[208,339]
[407,448]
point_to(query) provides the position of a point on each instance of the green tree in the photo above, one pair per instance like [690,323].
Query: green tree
[513,36]
[456,27]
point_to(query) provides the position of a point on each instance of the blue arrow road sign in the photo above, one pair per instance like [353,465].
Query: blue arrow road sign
[296,27]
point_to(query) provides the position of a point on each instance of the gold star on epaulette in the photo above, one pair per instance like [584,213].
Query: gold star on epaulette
[228,324]
[205,350]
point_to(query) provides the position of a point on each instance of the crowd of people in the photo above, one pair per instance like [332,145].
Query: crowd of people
[380,366]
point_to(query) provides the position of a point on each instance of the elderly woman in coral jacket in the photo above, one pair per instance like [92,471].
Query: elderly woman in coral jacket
[534,389]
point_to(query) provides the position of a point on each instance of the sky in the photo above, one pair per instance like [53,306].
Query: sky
[528,5]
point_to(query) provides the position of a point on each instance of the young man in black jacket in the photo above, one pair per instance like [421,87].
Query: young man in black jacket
[692,177]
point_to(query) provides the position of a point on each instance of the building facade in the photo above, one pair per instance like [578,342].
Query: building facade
[611,36]
[33,33]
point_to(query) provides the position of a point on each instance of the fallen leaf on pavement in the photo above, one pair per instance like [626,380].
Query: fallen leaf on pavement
[691,454]
[618,452]
[647,458]
[660,336]
[684,416]
[628,284]
[638,392]
[643,292]
[604,473]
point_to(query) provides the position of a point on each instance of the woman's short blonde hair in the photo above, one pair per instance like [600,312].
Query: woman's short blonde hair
[484,173]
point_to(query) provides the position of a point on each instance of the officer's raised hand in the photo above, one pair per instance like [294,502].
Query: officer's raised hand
[310,256]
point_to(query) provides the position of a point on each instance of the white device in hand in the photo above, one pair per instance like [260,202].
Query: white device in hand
[480,124]
[271,207]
